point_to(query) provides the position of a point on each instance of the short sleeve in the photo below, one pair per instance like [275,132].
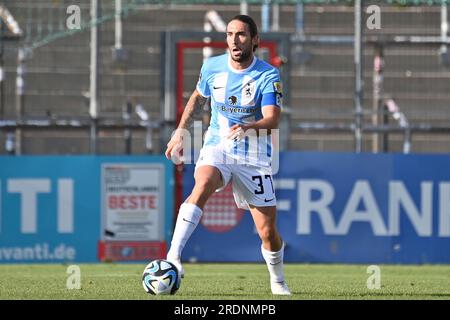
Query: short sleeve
[202,84]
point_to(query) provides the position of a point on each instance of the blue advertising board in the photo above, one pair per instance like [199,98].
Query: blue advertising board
[344,208]
[51,206]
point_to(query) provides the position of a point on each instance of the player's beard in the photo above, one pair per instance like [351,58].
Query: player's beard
[246,55]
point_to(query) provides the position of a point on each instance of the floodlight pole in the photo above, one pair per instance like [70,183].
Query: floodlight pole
[359,82]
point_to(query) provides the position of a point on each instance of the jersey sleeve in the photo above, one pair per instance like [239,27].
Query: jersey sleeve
[202,84]
[272,92]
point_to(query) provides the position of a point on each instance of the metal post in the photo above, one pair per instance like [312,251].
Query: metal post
[359,82]
[167,85]
[212,21]
[20,87]
[207,27]
[145,117]
[93,104]
[385,123]
[244,7]
[407,140]
[2,72]
[126,115]
[378,64]
[276,17]
[265,16]
[149,138]
[9,143]
[119,54]
[300,56]
[444,25]
[299,17]
[93,135]
[118,25]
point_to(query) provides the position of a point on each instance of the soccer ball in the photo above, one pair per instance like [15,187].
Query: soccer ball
[161,277]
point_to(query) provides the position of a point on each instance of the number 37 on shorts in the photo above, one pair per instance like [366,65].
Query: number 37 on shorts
[256,187]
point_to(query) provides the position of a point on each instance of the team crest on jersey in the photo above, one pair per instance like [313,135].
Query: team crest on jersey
[278,88]
[232,100]
[248,90]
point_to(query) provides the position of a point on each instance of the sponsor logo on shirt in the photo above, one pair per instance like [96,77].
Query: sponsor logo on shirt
[237,109]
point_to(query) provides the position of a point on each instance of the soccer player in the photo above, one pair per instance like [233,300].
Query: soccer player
[245,105]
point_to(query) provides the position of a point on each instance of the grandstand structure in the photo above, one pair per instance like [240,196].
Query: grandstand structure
[321,75]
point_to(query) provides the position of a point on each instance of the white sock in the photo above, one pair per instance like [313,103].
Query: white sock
[188,218]
[274,261]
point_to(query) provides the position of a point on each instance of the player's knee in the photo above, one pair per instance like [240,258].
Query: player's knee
[268,233]
[205,186]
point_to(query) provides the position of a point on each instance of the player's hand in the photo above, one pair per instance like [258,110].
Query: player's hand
[175,147]
[237,132]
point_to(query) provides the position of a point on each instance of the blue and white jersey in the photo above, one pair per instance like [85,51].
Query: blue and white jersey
[237,97]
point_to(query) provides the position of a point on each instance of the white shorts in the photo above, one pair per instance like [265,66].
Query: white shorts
[252,185]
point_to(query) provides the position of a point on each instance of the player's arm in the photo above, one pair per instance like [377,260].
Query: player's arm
[196,101]
[270,120]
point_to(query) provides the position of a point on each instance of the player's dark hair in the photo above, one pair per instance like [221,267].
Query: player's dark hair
[251,25]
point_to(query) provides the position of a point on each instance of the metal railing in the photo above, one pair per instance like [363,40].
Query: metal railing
[87,124]
[358,127]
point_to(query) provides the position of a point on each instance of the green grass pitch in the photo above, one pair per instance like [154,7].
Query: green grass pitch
[227,281]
